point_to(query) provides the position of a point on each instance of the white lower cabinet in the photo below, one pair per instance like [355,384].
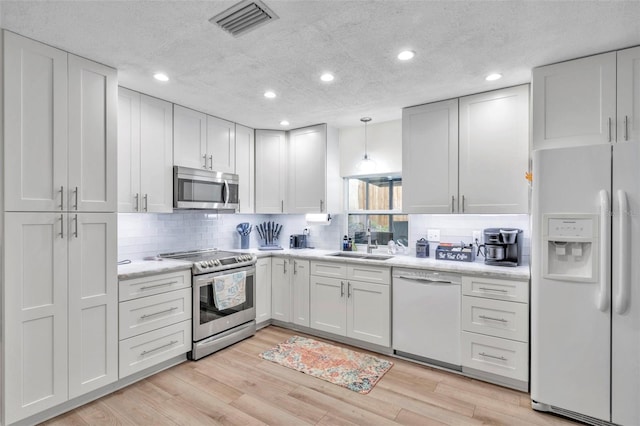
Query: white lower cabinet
[290,290]
[155,320]
[263,290]
[495,324]
[300,292]
[280,290]
[351,307]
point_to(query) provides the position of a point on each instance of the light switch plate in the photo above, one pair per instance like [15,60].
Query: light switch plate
[433,234]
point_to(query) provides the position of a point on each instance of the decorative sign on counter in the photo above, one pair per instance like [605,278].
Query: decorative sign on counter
[458,253]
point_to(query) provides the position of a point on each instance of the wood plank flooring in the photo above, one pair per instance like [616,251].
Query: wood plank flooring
[236,387]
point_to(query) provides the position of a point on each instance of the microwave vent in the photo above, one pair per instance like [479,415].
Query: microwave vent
[244,17]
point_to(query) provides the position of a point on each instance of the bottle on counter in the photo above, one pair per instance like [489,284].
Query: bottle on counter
[350,245]
[345,243]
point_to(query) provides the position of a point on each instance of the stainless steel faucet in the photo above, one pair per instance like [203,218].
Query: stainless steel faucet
[370,246]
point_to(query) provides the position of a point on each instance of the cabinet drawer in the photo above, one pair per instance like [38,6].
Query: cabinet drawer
[330,270]
[148,349]
[370,274]
[498,318]
[145,314]
[154,284]
[494,355]
[493,288]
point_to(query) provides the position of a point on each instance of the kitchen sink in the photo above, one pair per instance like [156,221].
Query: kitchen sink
[352,255]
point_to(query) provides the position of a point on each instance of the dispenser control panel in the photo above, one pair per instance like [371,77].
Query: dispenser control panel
[574,228]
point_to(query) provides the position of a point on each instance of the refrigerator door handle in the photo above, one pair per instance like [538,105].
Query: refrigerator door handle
[621,300]
[602,298]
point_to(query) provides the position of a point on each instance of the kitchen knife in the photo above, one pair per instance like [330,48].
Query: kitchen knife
[269,233]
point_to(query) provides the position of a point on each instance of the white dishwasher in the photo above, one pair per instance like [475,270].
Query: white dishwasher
[426,316]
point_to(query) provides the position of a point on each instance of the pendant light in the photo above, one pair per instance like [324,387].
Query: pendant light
[366,165]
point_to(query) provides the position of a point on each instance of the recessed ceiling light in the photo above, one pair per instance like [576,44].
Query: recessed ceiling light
[493,77]
[284,123]
[405,55]
[160,76]
[269,94]
[327,77]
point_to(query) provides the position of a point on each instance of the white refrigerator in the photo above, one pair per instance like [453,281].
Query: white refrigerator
[585,292]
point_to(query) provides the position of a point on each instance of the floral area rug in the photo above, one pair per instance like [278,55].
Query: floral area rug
[352,370]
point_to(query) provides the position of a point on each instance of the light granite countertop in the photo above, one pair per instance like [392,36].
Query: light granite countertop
[143,268]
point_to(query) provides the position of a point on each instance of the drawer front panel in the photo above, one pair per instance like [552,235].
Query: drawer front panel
[330,270]
[493,288]
[369,274]
[139,316]
[146,350]
[496,318]
[154,284]
[494,355]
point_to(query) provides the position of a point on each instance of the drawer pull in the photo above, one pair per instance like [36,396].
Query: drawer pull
[171,343]
[492,319]
[493,289]
[158,313]
[501,358]
[158,285]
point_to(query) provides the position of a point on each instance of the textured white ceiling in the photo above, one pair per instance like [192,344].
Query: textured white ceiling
[457,44]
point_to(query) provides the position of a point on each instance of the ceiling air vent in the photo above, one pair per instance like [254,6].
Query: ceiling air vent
[244,17]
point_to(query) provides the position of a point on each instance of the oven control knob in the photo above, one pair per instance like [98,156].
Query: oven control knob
[203,264]
[216,262]
[211,263]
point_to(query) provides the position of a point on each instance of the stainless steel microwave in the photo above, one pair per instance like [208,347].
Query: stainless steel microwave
[204,189]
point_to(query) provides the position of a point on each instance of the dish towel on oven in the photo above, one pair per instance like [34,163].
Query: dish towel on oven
[228,290]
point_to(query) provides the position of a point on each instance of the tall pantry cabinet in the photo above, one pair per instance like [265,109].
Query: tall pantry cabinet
[59,277]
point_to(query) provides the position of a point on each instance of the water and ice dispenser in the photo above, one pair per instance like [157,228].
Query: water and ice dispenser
[571,247]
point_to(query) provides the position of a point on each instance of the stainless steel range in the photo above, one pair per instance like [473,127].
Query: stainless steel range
[220,322]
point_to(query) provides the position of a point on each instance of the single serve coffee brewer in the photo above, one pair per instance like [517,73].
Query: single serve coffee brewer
[502,246]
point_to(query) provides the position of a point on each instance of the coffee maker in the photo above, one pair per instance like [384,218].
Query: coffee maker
[502,246]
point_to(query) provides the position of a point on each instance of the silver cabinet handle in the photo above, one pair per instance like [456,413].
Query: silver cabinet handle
[626,128]
[295,267]
[146,202]
[463,204]
[609,129]
[321,206]
[159,312]
[75,204]
[61,198]
[492,319]
[61,226]
[282,206]
[501,358]
[348,288]
[493,289]
[171,343]
[341,288]
[205,161]
[145,287]
[137,197]
[75,232]
[284,266]
[452,202]
[211,162]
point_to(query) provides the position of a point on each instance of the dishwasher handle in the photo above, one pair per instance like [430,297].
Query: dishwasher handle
[423,279]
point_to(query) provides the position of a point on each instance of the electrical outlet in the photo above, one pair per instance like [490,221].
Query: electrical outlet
[433,234]
[477,236]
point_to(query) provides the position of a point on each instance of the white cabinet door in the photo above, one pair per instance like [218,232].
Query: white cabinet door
[307,170]
[328,307]
[280,290]
[574,102]
[263,290]
[628,114]
[430,158]
[35,313]
[300,285]
[93,110]
[35,125]
[128,150]
[494,151]
[189,138]
[245,168]
[369,312]
[221,145]
[156,155]
[271,171]
[93,302]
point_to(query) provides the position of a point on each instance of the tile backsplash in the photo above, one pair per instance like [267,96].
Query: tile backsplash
[149,234]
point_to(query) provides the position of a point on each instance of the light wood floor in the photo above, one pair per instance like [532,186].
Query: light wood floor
[236,387]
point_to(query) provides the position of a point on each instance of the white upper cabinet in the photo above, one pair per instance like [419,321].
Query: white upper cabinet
[189,138]
[145,153]
[60,130]
[494,151]
[628,81]
[574,102]
[271,171]
[245,168]
[430,158]
[221,145]
[307,170]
